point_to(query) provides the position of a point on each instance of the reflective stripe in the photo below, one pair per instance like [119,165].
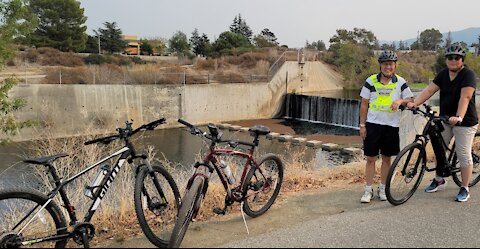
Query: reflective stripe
[384,98]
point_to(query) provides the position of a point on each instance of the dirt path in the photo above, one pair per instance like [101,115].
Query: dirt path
[290,209]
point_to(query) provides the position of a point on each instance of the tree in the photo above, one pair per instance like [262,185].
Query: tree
[230,40]
[357,36]
[401,46]
[146,47]
[111,38]
[240,26]
[15,21]
[61,25]
[429,39]
[92,45]
[200,43]
[448,41]
[179,43]
[320,46]
[265,39]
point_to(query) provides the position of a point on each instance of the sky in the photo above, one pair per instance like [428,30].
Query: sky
[292,22]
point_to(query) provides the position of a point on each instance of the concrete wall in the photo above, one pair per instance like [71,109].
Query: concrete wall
[70,110]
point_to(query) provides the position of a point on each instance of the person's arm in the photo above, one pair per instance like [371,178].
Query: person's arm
[363,117]
[465,97]
[426,94]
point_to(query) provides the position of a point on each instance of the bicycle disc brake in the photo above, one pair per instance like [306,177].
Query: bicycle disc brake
[157,206]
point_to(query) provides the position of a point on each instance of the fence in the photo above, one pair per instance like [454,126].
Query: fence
[126,75]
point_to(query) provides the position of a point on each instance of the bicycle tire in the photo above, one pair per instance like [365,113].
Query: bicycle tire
[253,182]
[18,203]
[154,215]
[190,204]
[405,173]
[457,177]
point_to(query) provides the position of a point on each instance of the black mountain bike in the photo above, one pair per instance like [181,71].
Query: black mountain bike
[29,217]
[409,166]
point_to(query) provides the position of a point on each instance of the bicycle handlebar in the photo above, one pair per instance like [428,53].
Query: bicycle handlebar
[127,132]
[197,131]
[428,113]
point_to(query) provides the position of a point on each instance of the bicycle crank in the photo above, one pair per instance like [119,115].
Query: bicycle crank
[10,240]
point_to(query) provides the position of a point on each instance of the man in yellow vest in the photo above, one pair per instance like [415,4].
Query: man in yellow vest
[381,95]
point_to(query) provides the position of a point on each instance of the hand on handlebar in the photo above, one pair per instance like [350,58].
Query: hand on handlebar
[454,120]
[411,105]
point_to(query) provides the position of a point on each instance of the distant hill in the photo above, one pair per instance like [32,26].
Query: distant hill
[468,36]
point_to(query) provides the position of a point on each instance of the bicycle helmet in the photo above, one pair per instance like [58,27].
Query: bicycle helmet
[387,55]
[455,49]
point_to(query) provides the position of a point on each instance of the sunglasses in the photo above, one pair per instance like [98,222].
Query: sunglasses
[453,57]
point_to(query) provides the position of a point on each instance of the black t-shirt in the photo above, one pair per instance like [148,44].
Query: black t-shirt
[450,92]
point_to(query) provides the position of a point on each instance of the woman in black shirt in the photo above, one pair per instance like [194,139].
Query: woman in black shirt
[457,100]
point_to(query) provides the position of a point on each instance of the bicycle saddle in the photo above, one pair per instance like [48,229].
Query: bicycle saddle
[260,130]
[45,160]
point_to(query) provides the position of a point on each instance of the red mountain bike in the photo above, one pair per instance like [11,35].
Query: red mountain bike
[257,189]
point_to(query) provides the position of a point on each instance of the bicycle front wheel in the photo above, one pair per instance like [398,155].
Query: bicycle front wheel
[457,176]
[405,174]
[190,204]
[262,185]
[24,223]
[156,200]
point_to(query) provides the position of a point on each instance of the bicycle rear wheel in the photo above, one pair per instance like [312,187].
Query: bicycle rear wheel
[156,200]
[23,220]
[405,174]
[457,176]
[262,185]
[190,204]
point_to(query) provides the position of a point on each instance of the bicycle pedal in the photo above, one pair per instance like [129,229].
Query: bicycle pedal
[219,211]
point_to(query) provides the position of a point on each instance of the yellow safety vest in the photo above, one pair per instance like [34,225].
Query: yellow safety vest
[385,93]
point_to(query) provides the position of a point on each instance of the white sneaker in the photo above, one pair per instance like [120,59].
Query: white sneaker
[367,196]
[381,194]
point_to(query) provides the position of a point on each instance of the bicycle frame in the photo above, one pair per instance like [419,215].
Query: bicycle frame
[127,153]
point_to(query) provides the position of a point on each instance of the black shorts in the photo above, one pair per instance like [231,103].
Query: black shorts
[381,139]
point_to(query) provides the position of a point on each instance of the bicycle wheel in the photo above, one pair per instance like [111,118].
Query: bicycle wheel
[405,174]
[190,204]
[23,220]
[156,199]
[262,185]
[457,177]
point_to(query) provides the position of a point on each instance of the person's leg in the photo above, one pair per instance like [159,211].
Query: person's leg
[464,140]
[438,183]
[386,163]
[371,150]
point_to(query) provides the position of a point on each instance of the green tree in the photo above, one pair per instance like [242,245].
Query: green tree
[61,25]
[448,41]
[354,62]
[429,39]
[265,39]
[179,43]
[111,38]
[92,45]
[230,40]
[200,43]
[15,21]
[240,26]
[146,47]
[402,46]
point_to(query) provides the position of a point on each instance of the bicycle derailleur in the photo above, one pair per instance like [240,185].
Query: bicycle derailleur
[228,202]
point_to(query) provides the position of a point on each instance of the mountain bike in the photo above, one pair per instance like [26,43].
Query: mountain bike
[256,190]
[29,217]
[409,166]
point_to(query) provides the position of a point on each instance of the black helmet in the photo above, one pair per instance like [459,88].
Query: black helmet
[387,55]
[455,49]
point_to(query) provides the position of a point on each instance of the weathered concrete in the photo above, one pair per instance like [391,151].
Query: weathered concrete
[71,110]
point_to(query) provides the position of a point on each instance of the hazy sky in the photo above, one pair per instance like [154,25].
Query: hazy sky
[292,22]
